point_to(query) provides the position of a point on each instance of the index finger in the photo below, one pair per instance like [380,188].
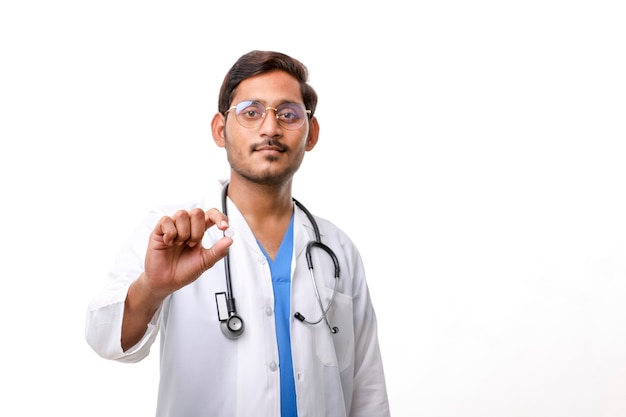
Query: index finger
[215,217]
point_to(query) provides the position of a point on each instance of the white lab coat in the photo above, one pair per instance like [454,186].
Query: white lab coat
[205,374]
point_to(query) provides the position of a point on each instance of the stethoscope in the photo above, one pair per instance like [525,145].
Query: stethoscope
[232,324]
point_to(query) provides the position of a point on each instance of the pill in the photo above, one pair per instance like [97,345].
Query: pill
[229,232]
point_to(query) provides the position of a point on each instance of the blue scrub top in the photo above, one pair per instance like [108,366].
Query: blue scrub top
[281,279]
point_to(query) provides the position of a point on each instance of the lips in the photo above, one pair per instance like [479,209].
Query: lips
[269,148]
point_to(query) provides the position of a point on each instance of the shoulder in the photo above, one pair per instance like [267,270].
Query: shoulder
[333,235]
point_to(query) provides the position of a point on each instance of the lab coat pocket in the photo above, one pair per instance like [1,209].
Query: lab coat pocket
[337,349]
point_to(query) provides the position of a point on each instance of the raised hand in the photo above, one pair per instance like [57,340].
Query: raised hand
[175,256]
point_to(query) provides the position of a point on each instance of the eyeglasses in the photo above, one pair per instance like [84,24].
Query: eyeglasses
[252,113]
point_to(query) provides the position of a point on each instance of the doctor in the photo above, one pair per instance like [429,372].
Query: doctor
[304,342]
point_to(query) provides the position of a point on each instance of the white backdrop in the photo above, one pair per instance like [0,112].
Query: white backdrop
[474,151]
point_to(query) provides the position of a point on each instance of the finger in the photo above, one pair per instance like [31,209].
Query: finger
[182,222]
[215,217]
[166,230]
[212,255]
[197,224]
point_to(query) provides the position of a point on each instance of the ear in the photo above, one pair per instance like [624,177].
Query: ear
[218,124]
[314,132]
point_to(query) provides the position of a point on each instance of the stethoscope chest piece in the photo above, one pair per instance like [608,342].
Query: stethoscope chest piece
[231,323]
[232,327]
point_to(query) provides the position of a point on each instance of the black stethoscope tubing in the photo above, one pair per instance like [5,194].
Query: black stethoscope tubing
[233,326]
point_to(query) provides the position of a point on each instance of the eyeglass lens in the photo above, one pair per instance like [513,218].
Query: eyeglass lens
[289,115]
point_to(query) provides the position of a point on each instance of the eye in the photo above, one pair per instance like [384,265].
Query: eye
[250,110]
[250,113]
[289,113]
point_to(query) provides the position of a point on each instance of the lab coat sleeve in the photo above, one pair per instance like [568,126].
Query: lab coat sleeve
[370,392]
[103,327]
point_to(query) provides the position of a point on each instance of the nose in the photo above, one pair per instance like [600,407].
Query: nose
[270,126]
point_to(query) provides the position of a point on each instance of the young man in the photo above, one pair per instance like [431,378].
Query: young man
[283,325]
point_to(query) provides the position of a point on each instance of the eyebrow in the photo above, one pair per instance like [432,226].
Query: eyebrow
[264,103]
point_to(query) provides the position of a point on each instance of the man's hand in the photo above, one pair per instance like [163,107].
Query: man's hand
[175,256]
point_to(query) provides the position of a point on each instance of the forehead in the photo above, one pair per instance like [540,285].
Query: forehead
[269,88]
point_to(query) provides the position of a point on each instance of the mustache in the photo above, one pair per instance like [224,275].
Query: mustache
[270,143]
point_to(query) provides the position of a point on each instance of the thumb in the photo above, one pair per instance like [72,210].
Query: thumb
[212,255]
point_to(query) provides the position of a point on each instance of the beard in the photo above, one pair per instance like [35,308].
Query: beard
[270,171]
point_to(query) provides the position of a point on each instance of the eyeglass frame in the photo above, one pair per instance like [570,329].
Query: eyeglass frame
[307,112]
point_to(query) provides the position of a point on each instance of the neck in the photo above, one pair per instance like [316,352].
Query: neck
[260,199]
[267,210]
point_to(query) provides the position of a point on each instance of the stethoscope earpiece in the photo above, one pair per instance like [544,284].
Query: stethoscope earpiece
[299,316]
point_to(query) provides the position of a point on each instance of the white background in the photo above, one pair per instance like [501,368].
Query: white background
[474,151]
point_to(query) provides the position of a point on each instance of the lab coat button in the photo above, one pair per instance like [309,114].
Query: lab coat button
[268,311]
[261,259]
[273,366]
